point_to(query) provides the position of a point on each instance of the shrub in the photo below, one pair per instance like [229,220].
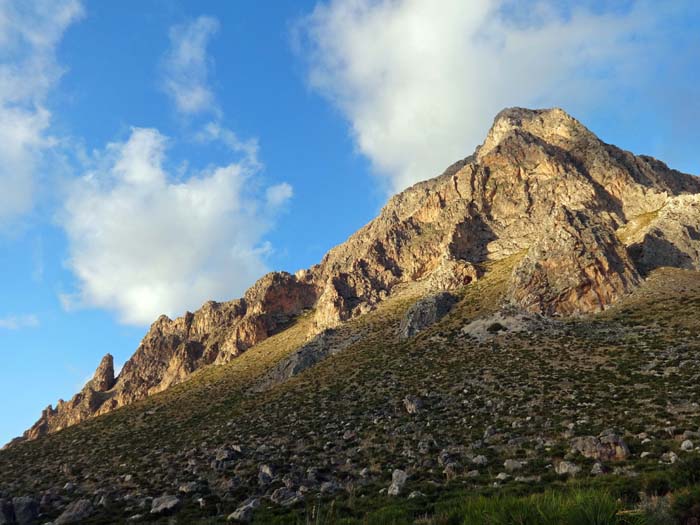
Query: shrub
[686,505]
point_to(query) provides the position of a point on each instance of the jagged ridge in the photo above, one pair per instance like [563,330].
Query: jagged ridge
[588,219]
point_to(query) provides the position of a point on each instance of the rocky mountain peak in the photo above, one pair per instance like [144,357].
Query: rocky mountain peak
[103,379]
[581,220]
[553,126]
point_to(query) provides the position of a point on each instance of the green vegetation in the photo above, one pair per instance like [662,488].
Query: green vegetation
[518,395]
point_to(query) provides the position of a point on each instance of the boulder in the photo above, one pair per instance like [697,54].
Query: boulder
[412,404]
[426,312]
[244,513]
[7,512]
[165,505]
[511,465]
[398,480]
[610,447]
[567,468]
[75,512]
[26,509]
[285,497]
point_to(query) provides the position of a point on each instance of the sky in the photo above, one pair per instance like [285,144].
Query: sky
[157,154]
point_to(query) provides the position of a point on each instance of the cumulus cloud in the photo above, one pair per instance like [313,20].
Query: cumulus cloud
[186,66]
[29,34]
[17,322]
[420,81]
[145,242]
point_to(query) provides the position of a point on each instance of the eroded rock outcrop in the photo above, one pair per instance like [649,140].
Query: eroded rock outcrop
[584,220]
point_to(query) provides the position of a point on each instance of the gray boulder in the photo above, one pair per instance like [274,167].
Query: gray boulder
[75,512]
[26,509]
[567,468]
[426,312]
[165,505]
[398,480]
[244,513]
[609,447]
[7,512]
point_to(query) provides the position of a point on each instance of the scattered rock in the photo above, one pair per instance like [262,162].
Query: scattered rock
[669,457]
[75,512]
[687,445]
[285,497]
[165,505]
[412,404]
[265,475]
[398,480]
[480,460]
[597,469]
[7,512]
[511,465]
[567,468]
[26,509]
[244,513]
[610,447]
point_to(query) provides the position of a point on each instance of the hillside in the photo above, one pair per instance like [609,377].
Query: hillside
[525,321]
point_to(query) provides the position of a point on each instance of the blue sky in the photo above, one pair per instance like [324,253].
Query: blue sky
[156,154]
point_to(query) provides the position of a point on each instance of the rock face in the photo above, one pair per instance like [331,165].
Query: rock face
[426,312]
[583,221]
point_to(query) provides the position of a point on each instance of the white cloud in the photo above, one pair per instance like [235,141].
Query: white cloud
[215,132]
[186,66]
[143,242]
[420,81]
[17,322]
[29,34]
[277,195]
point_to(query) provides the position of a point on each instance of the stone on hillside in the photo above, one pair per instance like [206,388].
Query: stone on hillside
[426,312]
[265,474]
[480,460]
[7,512]
[26,509]
[329,487]
[285,497]
[669,457]
[451,470]
[511,465]
[567,468]
[165,505]
[412,404]
[687,445]
[610,447]
[244,512]
[75,512]
[398,480]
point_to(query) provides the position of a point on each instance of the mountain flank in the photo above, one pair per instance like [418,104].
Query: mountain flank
[587,220]
[515,340]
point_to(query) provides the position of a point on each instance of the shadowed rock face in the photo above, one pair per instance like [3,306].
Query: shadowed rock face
[585,219]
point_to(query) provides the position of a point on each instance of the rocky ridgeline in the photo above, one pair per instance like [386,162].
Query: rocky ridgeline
[585,219]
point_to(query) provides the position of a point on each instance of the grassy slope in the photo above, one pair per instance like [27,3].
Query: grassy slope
[633,368]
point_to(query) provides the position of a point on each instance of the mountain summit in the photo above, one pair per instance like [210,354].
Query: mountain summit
[583,221]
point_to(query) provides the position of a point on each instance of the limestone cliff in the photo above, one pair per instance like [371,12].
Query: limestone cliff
[587,220]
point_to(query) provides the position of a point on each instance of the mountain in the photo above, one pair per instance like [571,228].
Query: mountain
[471,321]
[541,185]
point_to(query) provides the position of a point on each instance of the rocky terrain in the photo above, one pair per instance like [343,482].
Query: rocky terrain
[524,319]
